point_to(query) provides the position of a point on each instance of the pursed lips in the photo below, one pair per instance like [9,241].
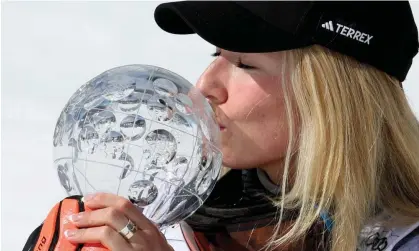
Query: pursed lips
[217,118]
[222,126]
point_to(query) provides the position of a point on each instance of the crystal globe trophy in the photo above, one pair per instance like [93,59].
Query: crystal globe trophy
[144,133]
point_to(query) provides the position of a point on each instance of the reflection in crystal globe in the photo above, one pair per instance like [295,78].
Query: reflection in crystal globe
[96,102]
[118,95]
[180,120]
[103,121]
[204,183]
[143,133]
[72,143]
[113,143]
[159,109]
[142,192]
[183,103]
[88,138]
[130,103]
[127,166]
[62,175]
[133,127]
[162,145]
[179,167]
[165,87]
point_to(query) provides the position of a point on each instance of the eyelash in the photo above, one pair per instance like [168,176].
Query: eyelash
[239,64]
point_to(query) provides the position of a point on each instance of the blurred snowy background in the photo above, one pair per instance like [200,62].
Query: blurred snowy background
[49,49]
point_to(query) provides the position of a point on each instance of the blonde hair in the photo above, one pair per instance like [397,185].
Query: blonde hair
[357,148]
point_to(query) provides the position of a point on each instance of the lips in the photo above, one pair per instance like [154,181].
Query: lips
[222,127]
[217,118]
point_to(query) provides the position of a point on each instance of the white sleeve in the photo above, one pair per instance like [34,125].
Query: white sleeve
[175,238]
[384,232]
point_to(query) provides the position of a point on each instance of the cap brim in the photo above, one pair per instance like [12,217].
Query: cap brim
[224,24]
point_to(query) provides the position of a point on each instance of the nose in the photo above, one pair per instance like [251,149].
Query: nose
[212,82]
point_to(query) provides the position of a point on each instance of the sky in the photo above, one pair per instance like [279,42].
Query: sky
[49,49]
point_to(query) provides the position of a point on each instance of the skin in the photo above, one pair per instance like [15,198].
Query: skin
[109,214]
[250,109]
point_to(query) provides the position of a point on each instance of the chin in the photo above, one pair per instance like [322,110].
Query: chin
[235,163]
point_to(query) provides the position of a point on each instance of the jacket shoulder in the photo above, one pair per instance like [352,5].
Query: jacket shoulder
[388,232]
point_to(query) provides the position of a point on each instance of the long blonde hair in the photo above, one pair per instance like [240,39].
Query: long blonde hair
[357,146]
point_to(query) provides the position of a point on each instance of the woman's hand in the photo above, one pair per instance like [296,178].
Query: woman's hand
[111,213]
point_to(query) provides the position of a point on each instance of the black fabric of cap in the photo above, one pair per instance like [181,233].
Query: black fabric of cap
[258,26]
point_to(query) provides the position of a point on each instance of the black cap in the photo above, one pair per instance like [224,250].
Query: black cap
[382,34]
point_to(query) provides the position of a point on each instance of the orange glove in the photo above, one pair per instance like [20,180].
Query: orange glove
[49,236]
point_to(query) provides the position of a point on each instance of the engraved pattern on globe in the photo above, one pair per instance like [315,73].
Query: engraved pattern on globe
[141,132]
[162,146]
[133,127]
[160,109]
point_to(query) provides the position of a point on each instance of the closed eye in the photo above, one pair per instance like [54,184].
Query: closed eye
[239,63]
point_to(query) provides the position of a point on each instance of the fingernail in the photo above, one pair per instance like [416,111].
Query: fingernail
[76,217]
[70,232]
[89,197]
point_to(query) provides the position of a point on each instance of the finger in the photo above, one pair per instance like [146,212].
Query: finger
[105,216]
[102,200]
[103,234]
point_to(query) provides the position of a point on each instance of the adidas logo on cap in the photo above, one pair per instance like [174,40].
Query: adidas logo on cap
[348,32]
[328,26]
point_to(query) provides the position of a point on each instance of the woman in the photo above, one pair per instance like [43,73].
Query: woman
[320,140]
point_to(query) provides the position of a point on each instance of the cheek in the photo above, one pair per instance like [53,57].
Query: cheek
[250,95]
[269,128]
[260,138]
[246,103]
[258,129]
